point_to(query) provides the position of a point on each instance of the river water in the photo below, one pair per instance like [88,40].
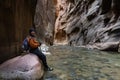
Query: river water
[75,63]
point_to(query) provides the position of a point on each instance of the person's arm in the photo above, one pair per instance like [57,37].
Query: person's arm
[36,42]
[33,42]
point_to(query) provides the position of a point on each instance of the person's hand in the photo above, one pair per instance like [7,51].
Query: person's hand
[40,43]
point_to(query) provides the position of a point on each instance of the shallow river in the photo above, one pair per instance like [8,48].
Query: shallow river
[75,63]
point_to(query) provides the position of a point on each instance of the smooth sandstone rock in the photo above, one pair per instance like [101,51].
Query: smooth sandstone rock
[27,67]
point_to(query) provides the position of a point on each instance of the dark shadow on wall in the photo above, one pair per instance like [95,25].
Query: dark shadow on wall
[106,6]
[16,17]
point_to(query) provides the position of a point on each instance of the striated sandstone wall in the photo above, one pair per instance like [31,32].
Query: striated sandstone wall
[82,22]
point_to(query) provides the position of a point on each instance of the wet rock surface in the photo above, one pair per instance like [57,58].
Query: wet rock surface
[75,63]
[27,67]
[108,46]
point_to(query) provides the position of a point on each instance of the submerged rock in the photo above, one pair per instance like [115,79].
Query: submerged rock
[108,46]
[27,67]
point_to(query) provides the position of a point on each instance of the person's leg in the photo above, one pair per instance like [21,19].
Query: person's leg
[42,57]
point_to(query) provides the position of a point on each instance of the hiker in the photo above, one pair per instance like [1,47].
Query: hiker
[33,48]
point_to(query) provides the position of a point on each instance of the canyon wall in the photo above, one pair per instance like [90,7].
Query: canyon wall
[82,22]
[71,22]
[44,20]
[16,17]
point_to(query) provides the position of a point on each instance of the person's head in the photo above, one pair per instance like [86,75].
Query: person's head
[32,32]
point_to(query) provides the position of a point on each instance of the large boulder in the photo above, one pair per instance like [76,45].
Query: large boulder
[27,67]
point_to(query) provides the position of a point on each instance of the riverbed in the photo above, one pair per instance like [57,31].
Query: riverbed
[75,63]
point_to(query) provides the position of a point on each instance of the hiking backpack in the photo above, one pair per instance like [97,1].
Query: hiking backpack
[25,45]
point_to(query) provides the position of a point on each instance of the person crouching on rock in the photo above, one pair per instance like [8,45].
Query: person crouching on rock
[33,48]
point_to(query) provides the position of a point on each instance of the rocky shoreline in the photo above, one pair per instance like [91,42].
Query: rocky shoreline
[108,46]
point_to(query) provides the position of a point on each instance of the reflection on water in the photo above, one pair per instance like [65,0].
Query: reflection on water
[75,63]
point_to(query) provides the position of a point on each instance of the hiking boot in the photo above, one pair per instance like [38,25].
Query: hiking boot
[48,69]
